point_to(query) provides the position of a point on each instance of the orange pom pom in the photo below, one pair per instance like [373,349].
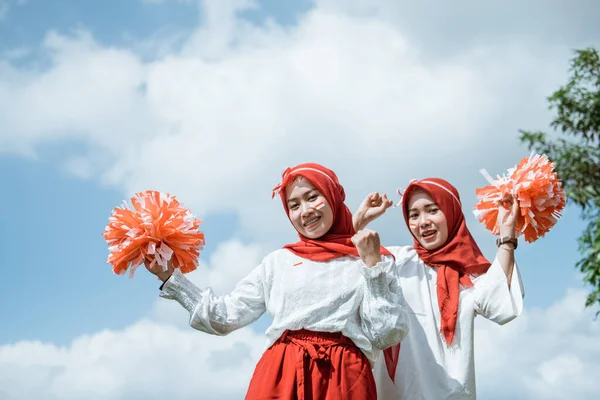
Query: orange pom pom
[536,187]
[158,229]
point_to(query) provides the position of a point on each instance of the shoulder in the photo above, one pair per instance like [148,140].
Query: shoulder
[277,257]
[403,254]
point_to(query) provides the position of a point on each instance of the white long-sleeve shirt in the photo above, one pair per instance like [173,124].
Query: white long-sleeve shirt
[427,368]
[341,295]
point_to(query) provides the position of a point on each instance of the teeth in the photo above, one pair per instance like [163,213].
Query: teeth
[312,221]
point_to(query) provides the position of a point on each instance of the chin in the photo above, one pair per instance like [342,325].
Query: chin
[315,234]
[430,246]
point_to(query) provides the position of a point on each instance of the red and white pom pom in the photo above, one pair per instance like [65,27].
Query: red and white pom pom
[157,229]
[536,187]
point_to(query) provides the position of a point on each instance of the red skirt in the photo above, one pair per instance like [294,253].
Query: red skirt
[306,365]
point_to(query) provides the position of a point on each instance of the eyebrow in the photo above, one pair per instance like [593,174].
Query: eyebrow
[426,206]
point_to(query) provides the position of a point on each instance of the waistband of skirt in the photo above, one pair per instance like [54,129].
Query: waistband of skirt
[315,337]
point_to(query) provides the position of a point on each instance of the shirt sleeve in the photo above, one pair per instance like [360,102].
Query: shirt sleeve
[383,312]
[219,315]
[494,300]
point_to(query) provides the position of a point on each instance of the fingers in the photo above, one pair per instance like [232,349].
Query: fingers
[148,264]
[515,207]
[387,203]
[359,236]
[363,236]
[368,201]
[368,245]
[378,201]
[155,267]
[506,202]
[510,204]
[375,198]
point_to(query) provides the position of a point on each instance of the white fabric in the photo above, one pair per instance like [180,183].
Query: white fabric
[427,368]
[341,295]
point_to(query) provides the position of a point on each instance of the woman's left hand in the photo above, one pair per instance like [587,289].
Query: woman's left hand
[508,213]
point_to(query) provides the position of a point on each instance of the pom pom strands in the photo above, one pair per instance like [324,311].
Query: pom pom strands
[157,229]
[536,187]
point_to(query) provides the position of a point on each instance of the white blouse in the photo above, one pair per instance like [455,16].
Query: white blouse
[341,295]
[427,368]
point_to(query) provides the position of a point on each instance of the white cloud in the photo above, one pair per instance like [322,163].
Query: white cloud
[216,123]
[550,353]
[160,357]
[147,360]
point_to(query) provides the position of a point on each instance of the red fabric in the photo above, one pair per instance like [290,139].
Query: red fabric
[337,242]
[457,259]
[306,365]
[391,356]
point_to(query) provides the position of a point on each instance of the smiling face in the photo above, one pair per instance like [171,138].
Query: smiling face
[308,209]
[426,221]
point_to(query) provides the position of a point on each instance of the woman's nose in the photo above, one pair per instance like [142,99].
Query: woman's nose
[424,220]
[305,207]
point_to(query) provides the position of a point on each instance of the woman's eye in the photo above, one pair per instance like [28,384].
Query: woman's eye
[294,206]
[413,216]
[433,210]
[313,197]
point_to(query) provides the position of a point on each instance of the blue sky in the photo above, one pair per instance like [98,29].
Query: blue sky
[116,22]
[66,275]
[295,80]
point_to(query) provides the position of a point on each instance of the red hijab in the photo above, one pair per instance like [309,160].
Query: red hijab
[458,258]
[337,241]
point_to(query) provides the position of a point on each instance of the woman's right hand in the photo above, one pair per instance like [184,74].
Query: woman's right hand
[372,207]
[158,270]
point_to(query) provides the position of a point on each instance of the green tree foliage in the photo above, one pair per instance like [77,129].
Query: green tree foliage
[576,152]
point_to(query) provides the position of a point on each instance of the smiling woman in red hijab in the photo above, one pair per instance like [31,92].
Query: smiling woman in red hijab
[328,294]
[446,281]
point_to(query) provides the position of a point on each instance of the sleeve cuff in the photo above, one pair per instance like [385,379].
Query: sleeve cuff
[378,277]
[179,288]
[382,267]
[496,301]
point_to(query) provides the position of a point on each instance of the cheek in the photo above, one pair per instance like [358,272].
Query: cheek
[442,224]
[294,216]
[414,228]
[443,228]
[440,221]
[328,216]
